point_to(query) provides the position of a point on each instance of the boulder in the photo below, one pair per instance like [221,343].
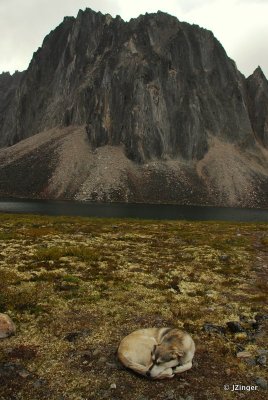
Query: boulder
[7,326]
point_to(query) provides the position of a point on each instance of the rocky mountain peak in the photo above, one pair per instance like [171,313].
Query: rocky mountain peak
[257,86]
[160,90]
[258,73]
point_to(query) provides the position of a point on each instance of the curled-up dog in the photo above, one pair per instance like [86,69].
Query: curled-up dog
[157,353]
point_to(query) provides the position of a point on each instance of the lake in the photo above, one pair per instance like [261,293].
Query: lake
[125,210]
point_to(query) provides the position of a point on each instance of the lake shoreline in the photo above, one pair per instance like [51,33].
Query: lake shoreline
[132,210]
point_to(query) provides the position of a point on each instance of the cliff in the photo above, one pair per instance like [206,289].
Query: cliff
[154,105]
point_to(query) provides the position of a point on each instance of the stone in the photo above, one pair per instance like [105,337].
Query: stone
[23,373]
[211,328]
[262,383]
[113,386]
[186,398]
[250,361]
[261,317]
[235,327]
[244,354]
[170,395]
[72,336]
[96,352]
[261,360]
[224,257]
[38,383]
[7,326]
[262,351]
[102,360]
[11,370]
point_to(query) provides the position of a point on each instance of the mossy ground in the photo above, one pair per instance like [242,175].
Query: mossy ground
[76,286]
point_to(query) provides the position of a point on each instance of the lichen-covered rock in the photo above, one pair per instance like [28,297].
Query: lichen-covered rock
[7,326]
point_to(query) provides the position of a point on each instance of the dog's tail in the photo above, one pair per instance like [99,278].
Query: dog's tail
[140,369]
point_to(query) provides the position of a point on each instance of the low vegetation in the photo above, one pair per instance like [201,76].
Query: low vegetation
[76,286]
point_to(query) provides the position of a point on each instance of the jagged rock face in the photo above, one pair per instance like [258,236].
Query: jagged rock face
[150,110]
[8,86]
[257,86]
[158,86]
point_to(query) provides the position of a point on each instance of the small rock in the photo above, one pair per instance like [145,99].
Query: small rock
[235,327]
[244,354]
[72,336]
[261,360]
[64,259]
[250,361]
[38,383]
[262,383]
[256,325]
[112,365]
[86,355]
[113,386]
[241,336]
[186,398]
[261,317]
[96,352]
[239,348]
[262,351]
[211,328]
[224,257]
[170,395]
[228,372]
[8,350]
[23,373]
[7,326]
[102,360]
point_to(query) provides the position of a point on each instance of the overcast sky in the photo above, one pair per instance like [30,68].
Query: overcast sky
[240,25]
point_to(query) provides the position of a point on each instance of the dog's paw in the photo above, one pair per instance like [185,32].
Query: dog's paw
[164,377]
[182,368]
[178,369]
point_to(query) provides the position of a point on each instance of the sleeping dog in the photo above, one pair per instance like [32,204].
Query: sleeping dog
[157,353]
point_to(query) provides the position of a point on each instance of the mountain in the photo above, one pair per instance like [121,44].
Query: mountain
[149,110]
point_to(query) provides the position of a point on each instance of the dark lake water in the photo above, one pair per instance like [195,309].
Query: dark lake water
[122,210]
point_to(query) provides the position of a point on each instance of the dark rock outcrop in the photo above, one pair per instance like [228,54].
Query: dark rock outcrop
[257,86]
[162,90]
[8,87]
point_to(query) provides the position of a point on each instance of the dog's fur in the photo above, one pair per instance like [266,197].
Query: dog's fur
[157,353]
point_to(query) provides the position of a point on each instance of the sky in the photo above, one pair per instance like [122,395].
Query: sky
[240,25]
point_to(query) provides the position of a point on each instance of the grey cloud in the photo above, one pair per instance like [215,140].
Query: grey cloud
[24,24]
[252,51]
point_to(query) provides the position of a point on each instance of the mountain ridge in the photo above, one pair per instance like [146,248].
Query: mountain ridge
[154,91]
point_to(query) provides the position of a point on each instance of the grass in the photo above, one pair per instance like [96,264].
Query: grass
[96,280]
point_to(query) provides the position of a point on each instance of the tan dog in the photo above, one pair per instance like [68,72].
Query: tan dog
[157,353]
